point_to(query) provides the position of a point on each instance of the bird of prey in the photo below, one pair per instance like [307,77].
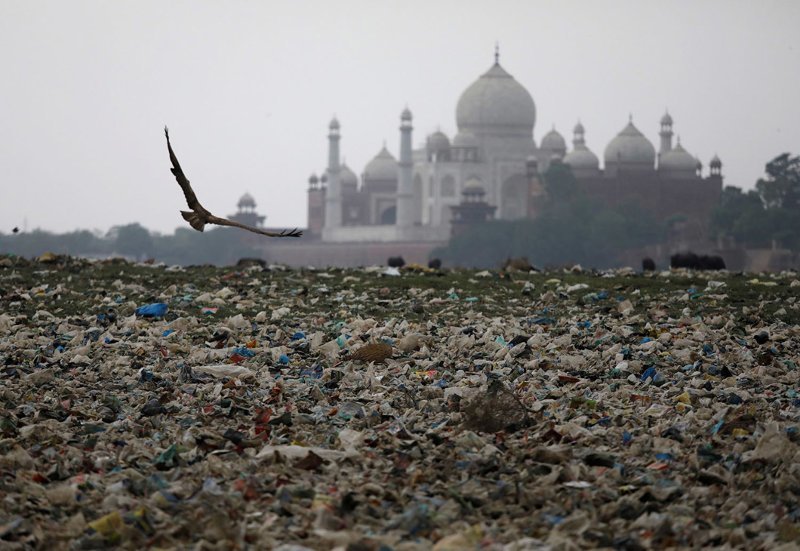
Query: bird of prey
[15,230]
[198,217]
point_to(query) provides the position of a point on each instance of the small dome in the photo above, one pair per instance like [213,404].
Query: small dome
[246,200]
[406,114]
[347,178]
[553,141]
[465,139]
[438,142]
[677,159]
[579,128]
[496,104]
[334,125]
[473,188]
[313,179]
[382,167]
[630,147]
[715,162]
[698,164]
[666,119]
[582,157]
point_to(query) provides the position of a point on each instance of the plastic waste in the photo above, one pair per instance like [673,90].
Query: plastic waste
[154,310]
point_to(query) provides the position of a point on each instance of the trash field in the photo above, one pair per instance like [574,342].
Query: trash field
[382,409]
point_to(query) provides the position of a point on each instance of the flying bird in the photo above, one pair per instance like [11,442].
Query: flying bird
[198,217]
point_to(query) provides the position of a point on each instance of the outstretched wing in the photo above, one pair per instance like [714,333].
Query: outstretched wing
[199,216]
[183,181]
[232,223]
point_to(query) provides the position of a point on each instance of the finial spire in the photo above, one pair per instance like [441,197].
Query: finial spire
[497,53]
[630,117]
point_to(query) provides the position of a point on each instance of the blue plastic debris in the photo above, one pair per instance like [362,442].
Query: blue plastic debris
[154,310]
[167,332]
[542,321]
[313,372]
[649,373]
[283,359]
[243,351]
[626,437]
[299,335]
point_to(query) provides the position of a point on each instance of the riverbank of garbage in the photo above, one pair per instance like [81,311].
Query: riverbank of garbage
[396,409]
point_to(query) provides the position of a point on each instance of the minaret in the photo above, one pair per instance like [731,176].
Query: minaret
[333,194]
[405,216]
[578,136]
[316,206]
[666,134]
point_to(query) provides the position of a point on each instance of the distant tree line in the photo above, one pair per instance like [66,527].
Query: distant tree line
[570,229]
[768,214]
[218,246]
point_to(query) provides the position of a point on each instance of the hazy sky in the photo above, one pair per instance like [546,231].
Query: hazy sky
[248,89]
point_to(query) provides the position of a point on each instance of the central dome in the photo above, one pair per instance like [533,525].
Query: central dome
[496,104]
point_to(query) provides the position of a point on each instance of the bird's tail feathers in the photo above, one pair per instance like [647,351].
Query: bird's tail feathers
[194,219]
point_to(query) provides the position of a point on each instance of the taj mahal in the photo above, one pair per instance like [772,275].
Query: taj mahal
[494,159]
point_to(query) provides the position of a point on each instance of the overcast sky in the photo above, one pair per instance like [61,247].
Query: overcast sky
[248,88]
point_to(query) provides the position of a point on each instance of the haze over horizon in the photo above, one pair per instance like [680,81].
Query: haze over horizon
[248,89]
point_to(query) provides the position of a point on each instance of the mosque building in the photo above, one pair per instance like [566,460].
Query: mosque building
[494,160]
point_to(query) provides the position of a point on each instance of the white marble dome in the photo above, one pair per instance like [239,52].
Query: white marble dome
[347,178]
[438,142]
[630,147]
[382,167]
[496,104]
